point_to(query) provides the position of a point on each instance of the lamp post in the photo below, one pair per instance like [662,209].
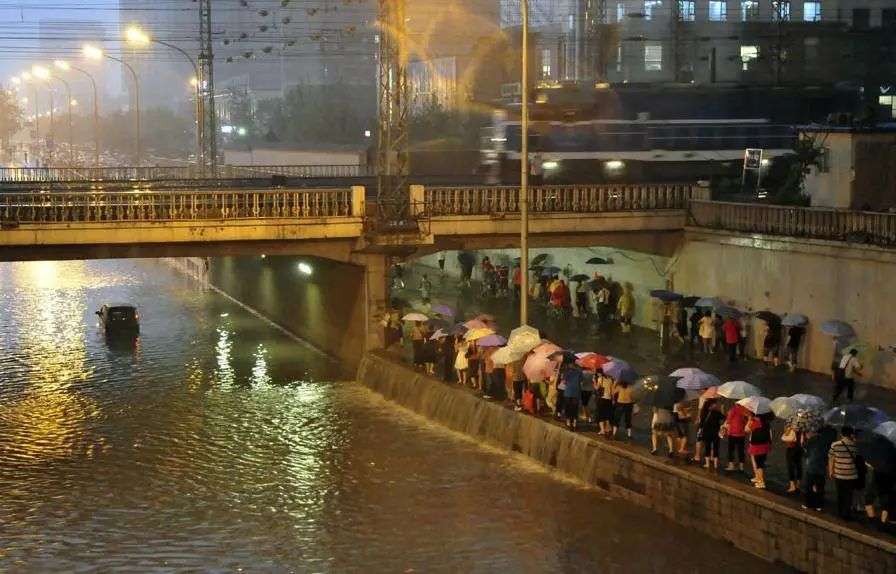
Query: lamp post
[138,37]
[41,73]
[524,167]
[65,66]
[94,53]
[28,78]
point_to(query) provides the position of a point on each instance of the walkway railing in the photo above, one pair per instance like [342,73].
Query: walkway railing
[813,222]
[74,174]
[441,201]
[178,206]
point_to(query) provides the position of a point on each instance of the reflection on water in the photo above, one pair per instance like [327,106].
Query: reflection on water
[215,445]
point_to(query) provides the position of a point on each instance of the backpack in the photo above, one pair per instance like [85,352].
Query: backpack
[529,401]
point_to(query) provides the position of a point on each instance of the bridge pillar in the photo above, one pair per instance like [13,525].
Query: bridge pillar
[376,292]
[359,193]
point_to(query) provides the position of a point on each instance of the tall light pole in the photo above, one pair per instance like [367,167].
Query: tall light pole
[28,78]
[43,74]
[65,66]
[524,167]
[138,37]
[94,53]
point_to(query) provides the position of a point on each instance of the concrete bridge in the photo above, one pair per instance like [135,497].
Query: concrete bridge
[12,175]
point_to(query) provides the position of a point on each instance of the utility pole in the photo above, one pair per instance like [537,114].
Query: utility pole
[207,122]
[393,102]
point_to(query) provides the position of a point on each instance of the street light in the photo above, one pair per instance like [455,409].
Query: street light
[43,74]
[93,53]
[524,167]
[137,37]
[65,67]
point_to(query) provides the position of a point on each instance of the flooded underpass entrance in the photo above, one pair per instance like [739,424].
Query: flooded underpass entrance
[217,442]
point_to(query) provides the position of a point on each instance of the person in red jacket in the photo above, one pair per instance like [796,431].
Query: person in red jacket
[735,431]
[731,329]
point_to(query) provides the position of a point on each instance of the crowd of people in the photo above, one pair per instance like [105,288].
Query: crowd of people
[714,432]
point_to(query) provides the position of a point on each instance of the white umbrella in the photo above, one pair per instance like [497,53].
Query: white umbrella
[810,402]
[685,372]
[756,405]
[738,390]
[785,407]
[415,317]
[505,356]
[887,429]
[697,381]
[524,339]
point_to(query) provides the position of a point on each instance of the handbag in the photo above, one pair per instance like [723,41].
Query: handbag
[723,431]
[789,436]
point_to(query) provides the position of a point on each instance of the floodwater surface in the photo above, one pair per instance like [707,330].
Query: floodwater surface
[217,443]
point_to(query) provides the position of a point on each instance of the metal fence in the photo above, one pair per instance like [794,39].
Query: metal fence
[178,206]
[813,222]
[75,174]
[442,201]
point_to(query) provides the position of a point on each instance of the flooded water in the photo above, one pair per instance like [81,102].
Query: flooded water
[217,443]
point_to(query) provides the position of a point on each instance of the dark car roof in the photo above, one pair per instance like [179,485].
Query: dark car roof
[120,305]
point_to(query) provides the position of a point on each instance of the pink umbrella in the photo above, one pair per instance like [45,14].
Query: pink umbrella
[710,393]
[539,368]
[545,348]
[475,324]
[486,319]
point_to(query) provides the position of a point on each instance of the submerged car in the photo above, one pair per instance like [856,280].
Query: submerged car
[119,318]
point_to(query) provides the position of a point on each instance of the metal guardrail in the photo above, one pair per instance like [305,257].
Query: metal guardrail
[77,174]
[175,206]
[818,223]
[446,201]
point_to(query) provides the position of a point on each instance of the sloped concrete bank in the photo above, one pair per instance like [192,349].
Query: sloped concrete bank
[752,521]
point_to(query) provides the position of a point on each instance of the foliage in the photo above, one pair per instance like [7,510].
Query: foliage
[10,115]
[433,122]
[333,113]
[793,170]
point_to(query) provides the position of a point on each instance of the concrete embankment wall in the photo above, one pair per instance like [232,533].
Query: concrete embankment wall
[325,308]
[752,521]
[820,279]
[642,270]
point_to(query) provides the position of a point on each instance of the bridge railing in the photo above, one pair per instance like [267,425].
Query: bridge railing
[150,173]
[812,222]
[176,206]
[479,200]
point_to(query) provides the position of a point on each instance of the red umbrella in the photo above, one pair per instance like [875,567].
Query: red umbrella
[592,361]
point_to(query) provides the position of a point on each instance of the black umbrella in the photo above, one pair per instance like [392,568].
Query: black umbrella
[599,261]
[567,356]
[466,258]
[539,259]
[690,300]
[658,391]
[536,268]
[579,277]
[856,416]
[879,452]
[769,317]
[665,295]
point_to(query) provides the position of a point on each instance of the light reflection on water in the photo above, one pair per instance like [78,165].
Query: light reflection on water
[215,445]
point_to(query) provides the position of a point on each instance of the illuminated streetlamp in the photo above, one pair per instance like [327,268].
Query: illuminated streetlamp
[65,67]
[93,53]
[138,38]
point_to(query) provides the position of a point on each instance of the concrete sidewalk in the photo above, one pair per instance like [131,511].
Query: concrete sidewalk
[641,348]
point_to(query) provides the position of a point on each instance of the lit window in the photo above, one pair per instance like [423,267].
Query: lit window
[571,22]
[748,54]
[686,12]
[812,11]
[618,57]
[620,11]
[546,63]
[781,11]
[888,102]
[651,8]
[718,10]
[749,9]
[653,58]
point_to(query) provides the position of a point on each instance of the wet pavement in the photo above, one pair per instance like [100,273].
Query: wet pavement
[641,348]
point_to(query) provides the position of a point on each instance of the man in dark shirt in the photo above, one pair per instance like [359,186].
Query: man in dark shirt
[816,450]
[794,338]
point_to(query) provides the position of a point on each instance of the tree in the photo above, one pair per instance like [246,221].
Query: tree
[10,116]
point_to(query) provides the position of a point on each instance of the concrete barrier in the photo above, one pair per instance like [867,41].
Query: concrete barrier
[755,522]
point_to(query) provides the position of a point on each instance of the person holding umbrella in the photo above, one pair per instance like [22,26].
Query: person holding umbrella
[794,338]
[624,401]
[793,443]
[817,443]
[731,330]
[603,393]
[758,428]
[625,307]
[845,375]
[707,332]
[572,378]
[846,470]
[708,433]
[418,340]
[734,430]
[771,344]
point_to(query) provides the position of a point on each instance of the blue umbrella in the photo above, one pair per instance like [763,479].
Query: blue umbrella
[837,328]
[856,416]
[665,295]
[709,303]
[548,271]
[620,370]
[794,320]
[727,312]
[443,310]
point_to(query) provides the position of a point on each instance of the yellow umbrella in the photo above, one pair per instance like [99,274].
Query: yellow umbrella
[476,334]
